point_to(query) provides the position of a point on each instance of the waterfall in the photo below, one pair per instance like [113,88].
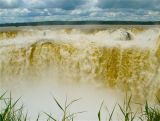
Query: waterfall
[127,59]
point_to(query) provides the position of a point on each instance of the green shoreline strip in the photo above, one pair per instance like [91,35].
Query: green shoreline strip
[81,23]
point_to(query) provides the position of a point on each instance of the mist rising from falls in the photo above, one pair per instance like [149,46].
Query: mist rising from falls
[124,59]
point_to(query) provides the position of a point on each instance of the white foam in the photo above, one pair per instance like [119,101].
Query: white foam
[146,38]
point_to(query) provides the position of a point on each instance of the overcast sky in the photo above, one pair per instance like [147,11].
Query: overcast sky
[47,10]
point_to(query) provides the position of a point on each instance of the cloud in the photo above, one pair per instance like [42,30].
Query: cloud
[10,3]
[14,12]
[63,4]
[51,14]
[44,10]
[132,4]
[73,4]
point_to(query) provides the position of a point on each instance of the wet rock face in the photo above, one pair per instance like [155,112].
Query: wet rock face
[122,34]
[128,36]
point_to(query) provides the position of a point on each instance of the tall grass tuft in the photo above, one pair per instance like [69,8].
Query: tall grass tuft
[151,114]
[11,112]
[126,110]
[67,116]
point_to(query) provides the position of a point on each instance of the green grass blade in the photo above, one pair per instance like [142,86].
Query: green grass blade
[121,109]
[1,118]
[15,103]
[128,103]
[25,118]
[99,112]
[6,111]
[132,118]
[110,117]
[65,110]
[58,104]
[38,117]
[1,97]
[146,108]
[73,114]
[73,101]
[50,117]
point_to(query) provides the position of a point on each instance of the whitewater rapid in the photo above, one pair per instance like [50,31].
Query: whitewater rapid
[125,58]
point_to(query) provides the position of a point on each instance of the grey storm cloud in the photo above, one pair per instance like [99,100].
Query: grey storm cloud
[63,4]
[132,4]
[44,10]
[73,4]
[4,4]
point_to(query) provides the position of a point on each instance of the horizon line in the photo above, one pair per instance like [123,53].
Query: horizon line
[79,22]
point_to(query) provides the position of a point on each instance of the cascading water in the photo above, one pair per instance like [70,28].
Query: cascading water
[126,59]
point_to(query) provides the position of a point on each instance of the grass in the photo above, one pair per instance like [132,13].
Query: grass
[67,116]
[151,114]
[11,111]
[127,112]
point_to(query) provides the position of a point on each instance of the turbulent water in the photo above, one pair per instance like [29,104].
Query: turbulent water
[123,58]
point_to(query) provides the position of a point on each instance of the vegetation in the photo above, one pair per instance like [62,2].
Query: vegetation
[67,116]
[11,111]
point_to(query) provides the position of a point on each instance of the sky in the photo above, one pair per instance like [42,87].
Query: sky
[12,11]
